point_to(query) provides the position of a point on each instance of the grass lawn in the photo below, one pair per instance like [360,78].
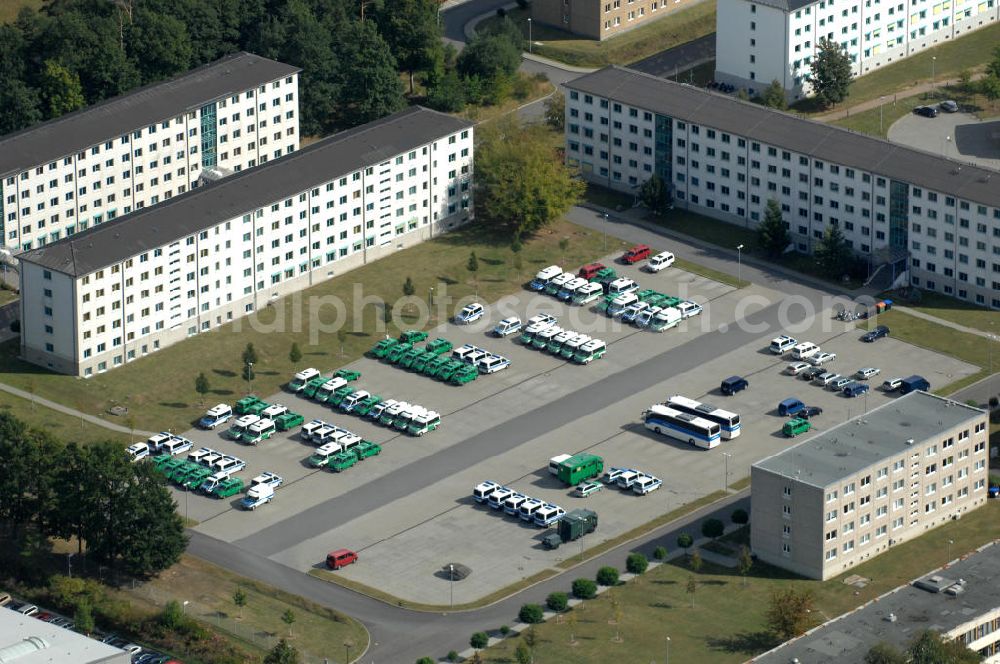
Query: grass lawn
[316,632]
[681,26]
[868,122]
[159,389]
[10,8]
[527,89]
[957,311]
[968,52]
[726,623]
[63,427]
[970,348]
[8,296]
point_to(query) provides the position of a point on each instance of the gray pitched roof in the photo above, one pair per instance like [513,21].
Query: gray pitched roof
[236,195]
[820,141]
[879,434]
[785,5]
[139,108]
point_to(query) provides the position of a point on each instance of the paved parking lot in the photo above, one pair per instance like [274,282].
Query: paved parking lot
[409,511]
[961,136]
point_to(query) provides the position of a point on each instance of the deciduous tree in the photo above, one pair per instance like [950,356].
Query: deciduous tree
[282,653]
[60,89]
[372,88]
[555,111]
[413,33]
[832,253]
[294,353]
[655,195]
[201,385]
[772,234]
[928,647]
[788,613]
[884,653]
[774,96]
[831,72]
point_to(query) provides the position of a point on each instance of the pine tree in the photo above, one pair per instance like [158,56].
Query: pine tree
[832,253]
[772,235]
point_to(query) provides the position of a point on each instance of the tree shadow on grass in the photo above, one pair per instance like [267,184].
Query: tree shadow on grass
[447,281]
[267,373]
[222,392]
[174,404]
[748,643]
[714,582]
[317,352]
[665,582]
[225,373]
[661,605]
[492,261]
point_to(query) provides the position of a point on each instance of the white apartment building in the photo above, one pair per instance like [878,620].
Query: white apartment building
[759,41]
[127,288]
[922,217]
[853,491]
[136,150]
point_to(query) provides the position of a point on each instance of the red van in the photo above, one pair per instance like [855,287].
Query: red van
[637,253]
[589,271]
[340,558]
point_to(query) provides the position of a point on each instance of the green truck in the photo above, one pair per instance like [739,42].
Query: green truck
[604,276]
[341,462]
[339,395]
[411,356]
[449,369]
[367,448]
[438,346]
[433,366]
[194,479]
[421,362]
[288,420]
[412,336]
[572,526]
[396,353]
[256,408]
[228,487]
[580,467]
[347,374]
[380,349]
[796,426]
[178,473]
[310,389]
[244,405]
[159,460]
[170,465]
[603,304]
[366,406]
[465,374]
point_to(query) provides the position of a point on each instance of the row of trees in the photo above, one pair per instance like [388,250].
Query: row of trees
[79,52]
[120,512]
[927,647]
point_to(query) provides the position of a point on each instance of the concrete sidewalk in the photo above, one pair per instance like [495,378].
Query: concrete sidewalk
[902,94]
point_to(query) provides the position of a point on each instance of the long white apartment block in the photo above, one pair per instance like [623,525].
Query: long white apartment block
[139,149]
[129,287]
[918,216]
[759,41]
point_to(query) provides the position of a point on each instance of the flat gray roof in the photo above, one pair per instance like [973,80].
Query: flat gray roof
[236,195]
[44,643]
[820,141]
[73,132]
[849,637]
[784,5]
[865,440]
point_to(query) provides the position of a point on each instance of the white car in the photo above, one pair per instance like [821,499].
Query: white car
[492,364]
[507,326]
[892,384]
[779,345]
[867,372]
[689,309]
[267,478]
[612,474]
[646,484]
[795,368]
[470,313]
[137,451]
[819,359]
[659,261]
[274,411]
[541,321]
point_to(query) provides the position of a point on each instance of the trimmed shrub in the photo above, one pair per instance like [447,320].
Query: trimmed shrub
[584,589]
[636,563]
[660,553]
[713,528]
[531,614]
[607,576]
[452,656]
[479,640]
[504,630]
[557,602]
[740,517]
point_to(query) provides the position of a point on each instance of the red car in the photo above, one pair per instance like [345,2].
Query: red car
[589,270]
[637,253]
[340,558]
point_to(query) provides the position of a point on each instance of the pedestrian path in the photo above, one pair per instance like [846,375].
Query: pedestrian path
[97,421]
[874,103]
[940,321]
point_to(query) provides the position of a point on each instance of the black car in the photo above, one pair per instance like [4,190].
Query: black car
[876,334]
[811,373]
[809,412]
[926,111]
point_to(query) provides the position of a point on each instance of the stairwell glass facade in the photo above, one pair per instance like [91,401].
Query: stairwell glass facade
[209,157]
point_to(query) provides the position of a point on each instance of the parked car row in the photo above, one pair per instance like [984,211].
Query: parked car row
[514,503]
[482,360]
[630,479]
[200,465]
[575,346]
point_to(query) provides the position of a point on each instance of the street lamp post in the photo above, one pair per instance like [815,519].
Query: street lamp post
[529,34]
[881,101]
[451,586]
[184,606]
[725,484]
[347,652]
[668,650]
[250,376]
[739,263]
[933,69]
[69,565]
[605,231]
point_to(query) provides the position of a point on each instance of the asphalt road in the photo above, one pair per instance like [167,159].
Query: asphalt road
[667,63]
[401,635]
[511,434]
[454,19]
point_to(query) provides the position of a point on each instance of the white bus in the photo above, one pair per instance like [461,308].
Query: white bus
[730,422]
[682,426]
